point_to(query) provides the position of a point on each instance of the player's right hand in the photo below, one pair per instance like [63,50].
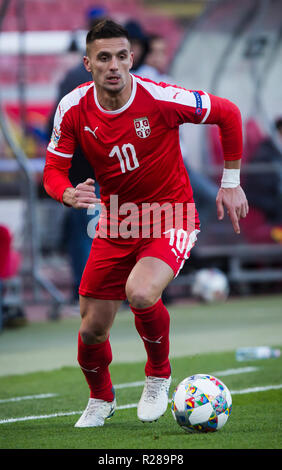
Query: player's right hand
[235,201]
[82,196]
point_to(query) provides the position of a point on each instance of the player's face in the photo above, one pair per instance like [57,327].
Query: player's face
[109,61]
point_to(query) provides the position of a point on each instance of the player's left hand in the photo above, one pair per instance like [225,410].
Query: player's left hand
[236,204]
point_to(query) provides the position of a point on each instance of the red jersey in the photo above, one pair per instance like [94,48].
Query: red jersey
[135,150]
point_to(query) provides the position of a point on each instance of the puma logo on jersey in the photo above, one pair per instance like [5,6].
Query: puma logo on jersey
[177,93]
[92,132]
[157,341]
[91,370]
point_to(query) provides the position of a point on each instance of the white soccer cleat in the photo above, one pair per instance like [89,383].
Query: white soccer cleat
[154,399]
[95,413]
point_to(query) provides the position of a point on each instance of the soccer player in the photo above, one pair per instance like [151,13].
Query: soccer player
[127,127]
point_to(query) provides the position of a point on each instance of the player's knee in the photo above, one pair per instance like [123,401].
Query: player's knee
[140,296]
[93,332]
[95,325]
[93,336]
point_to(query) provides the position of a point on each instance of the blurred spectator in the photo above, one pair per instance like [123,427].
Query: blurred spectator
[139,43]
[12,313]
[78,74]
[155,61]
[75,236]
[204,189]
[95,14]
[264,189]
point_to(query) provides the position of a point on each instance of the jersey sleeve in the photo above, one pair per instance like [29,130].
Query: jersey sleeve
[180,106]
[63,141]
[59,153]
[227,116]
[56,175]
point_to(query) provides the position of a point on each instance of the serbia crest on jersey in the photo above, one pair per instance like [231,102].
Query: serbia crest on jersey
[142,127]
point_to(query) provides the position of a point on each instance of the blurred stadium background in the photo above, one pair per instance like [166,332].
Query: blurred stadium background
[232,49]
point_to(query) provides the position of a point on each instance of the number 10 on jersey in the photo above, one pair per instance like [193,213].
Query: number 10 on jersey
[127,157]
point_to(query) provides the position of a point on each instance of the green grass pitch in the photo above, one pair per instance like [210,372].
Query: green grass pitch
[255,421]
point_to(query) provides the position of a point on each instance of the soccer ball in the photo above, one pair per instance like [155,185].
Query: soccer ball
[201,403]
[210,285]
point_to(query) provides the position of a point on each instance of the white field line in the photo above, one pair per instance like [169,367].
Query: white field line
[129,385]
[131,405]
[240,370]
[256,389]
[29,397]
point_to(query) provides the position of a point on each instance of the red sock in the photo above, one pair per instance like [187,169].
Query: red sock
[94,360]
[152,325]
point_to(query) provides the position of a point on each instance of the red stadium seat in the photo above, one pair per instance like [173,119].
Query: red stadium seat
[11,304]
[255,227]
[253,137]
[9,259]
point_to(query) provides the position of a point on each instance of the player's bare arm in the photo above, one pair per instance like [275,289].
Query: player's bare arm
[82,196]
[233,199]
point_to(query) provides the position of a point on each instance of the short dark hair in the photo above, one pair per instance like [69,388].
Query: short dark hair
[106,29]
